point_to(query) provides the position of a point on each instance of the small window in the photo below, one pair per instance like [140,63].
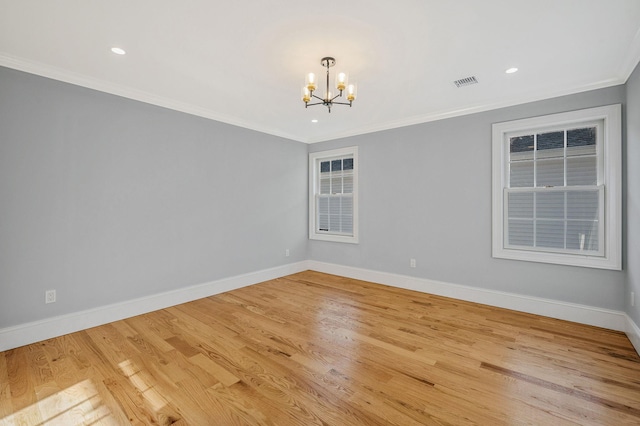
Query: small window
[333,195]
[556,188]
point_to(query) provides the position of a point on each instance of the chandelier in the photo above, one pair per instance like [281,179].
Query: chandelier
[328,99]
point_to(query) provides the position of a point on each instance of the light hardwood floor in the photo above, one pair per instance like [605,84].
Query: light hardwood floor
[312,349]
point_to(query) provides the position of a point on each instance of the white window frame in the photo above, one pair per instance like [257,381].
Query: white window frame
[314,170]
[609,154]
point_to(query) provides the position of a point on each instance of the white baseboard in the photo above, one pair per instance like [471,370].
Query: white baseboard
[24,334]
[633,333]
[613,320]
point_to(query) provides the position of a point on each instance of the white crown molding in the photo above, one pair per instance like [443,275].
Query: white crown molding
[524,98]
[66,76]
[24,334]
[590,315]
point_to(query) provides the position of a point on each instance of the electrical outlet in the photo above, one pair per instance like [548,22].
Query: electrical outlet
[412,263]
[50,296]
[286,252]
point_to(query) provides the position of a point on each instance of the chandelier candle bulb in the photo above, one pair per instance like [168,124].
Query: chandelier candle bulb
[310,82]
[341,81]
[306,95]
[352,92]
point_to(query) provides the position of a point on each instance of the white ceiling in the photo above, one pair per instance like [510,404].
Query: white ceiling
[243,62]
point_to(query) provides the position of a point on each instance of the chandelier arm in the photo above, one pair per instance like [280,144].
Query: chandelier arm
[339,95]
[317,103]
[341,103]
[317,97]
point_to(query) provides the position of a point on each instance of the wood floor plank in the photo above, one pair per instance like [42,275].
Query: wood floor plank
[19,377]
[6,406]
[225,377]
[313,348]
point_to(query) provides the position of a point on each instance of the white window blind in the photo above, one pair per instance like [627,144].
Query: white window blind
[333,195]
[553,199]
[335,198]
[557,188]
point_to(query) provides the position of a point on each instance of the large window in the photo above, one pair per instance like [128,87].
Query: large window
[556,188]
[333,195]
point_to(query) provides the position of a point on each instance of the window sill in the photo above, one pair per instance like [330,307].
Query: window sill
[334,238]
[558,259]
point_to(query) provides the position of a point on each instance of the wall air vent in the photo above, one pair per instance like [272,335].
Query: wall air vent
[467,81]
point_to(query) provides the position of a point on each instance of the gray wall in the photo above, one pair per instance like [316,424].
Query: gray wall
[425,193]
[632,163]
[106,199]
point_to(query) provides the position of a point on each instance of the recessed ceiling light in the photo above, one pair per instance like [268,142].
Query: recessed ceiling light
[314,120]
[118,51]
[511,70]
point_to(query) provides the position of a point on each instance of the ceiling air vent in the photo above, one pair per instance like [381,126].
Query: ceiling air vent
[467,81]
